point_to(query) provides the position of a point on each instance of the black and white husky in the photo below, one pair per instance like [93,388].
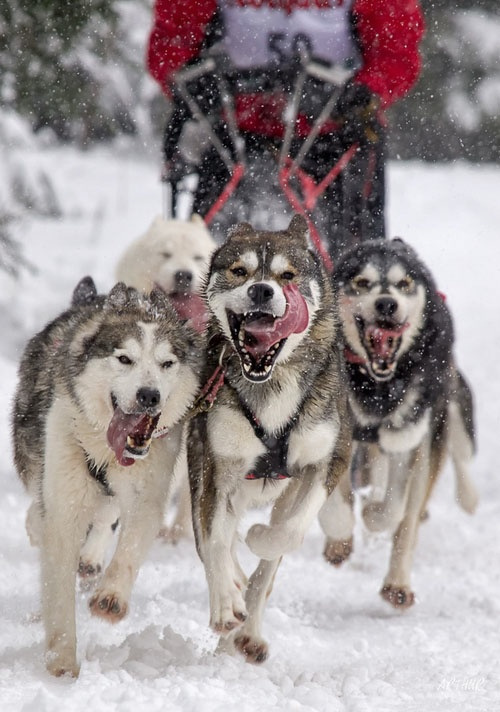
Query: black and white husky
[411,405]
[278,431]
[97,430]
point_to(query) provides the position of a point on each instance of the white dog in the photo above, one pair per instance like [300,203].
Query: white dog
[172,255]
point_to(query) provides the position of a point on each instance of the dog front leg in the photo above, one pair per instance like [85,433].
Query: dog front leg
[336,518]
[396,588]
[67,506]
[227,606]
[140,521]
[248,639]
[386,515]
[292,515]
[93,553]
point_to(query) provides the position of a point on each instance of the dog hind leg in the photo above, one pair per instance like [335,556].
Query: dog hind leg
[461,450]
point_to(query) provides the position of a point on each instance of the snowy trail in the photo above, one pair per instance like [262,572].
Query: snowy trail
[335,645]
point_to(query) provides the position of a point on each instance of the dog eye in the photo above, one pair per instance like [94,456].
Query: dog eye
[167,364]
[125,360]
[288,275]
[361,283]
[239,271]
[405,284]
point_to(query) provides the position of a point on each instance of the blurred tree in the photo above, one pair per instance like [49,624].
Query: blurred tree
[63,65]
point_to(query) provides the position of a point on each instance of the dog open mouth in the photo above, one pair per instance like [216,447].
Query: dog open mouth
[130,434]
[381,341]
[259,336]
[190,307]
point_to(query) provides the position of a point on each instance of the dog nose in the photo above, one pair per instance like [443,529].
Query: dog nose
[260,293]
[386,306]
[148,397]
[183,278]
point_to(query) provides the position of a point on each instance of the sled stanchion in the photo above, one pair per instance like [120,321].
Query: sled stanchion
[331,175]
[229,189]
[312,191]
[297,205]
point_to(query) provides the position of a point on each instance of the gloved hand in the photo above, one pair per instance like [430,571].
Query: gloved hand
[357,111]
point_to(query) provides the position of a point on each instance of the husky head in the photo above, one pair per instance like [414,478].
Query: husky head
[134,369]
[384,297]
[264,289]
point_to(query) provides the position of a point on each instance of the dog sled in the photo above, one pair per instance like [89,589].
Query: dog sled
[247,178]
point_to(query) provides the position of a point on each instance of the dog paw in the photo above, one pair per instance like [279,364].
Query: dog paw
[88,573]
[108,606]
[269,542]
[336,552]
[225,623]
[59,663]
[173,534]
[375,517]
[255,650]
[228,612]
[398,596]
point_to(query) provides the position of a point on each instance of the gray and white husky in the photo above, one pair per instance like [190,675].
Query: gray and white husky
[97,428]
[411,405]
[278,432]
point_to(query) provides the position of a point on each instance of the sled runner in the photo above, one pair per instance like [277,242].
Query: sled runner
[259,179]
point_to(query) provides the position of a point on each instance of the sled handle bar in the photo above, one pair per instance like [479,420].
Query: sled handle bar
[335,75]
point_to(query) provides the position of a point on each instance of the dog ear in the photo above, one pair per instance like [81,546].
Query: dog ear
[299,229]
[121,296]
[243,229]
[159,299]
[84,293]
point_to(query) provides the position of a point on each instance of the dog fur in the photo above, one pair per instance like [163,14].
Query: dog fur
[274,331]
[411,405]
[173,255]
[97,429]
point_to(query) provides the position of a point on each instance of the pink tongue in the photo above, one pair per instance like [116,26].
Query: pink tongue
[382,341]
[266,332]
[191,307]
[122,425]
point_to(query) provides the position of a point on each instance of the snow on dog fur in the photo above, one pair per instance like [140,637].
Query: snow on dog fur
[97,428]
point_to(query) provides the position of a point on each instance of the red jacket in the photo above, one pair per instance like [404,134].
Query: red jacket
[388,33]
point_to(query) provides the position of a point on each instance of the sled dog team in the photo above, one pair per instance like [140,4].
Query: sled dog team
[264,382]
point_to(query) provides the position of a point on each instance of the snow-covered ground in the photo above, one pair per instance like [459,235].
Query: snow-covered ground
[335,645]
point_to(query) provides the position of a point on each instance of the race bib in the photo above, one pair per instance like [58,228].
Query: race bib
[266,33]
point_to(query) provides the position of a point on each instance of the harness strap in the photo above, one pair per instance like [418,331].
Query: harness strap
[99,474]
[273,463]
